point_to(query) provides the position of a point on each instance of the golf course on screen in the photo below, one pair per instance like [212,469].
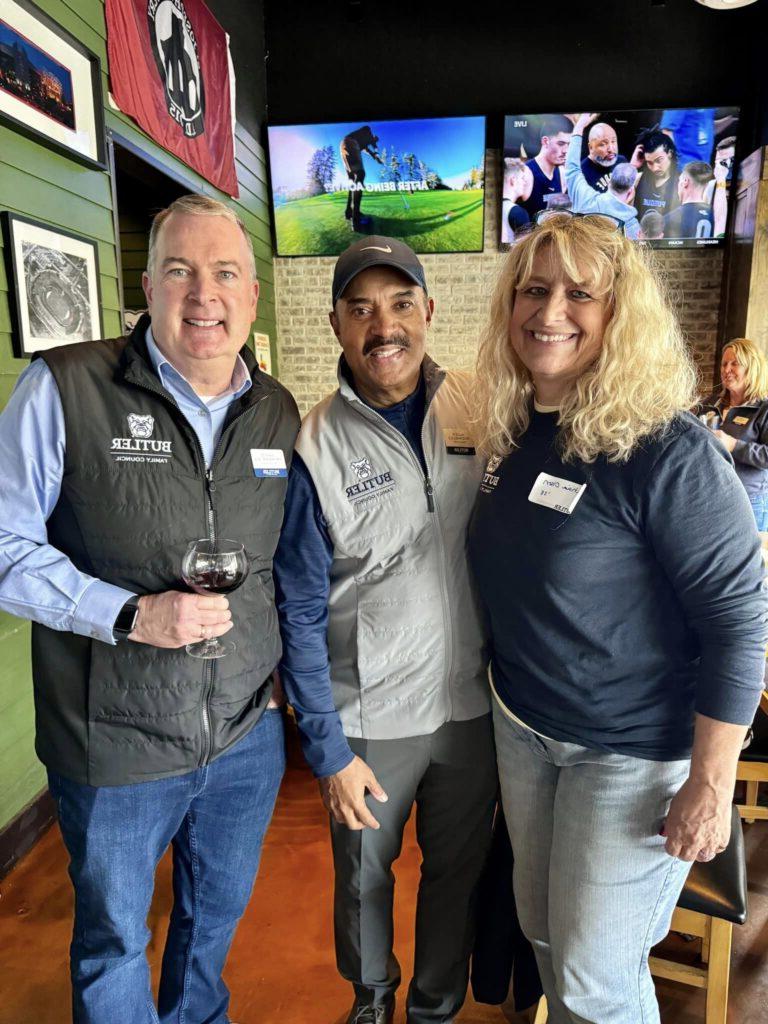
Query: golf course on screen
[422,181]
[439,221]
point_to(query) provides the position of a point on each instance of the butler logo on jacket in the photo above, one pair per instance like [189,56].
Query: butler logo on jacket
[370,486]
[140,446]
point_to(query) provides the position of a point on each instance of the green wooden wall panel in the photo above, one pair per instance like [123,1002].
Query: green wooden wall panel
[250,183]
[23,774]
[107,260]
[86,23]
[266,292]
[15,685]
[5,314]
[25,196]
[113,324]
[54,170]
[9,624]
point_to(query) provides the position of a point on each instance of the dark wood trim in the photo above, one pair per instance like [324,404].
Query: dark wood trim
[23,831]
[187,182]
[116,229]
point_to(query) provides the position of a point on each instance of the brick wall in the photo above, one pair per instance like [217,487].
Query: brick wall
[461,284]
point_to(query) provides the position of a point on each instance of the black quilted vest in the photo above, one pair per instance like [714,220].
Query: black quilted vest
[134,494]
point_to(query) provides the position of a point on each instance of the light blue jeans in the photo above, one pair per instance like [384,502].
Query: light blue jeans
[595,889]
[215,818]
[759,503]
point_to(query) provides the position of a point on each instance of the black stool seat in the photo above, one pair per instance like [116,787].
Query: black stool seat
[719,887]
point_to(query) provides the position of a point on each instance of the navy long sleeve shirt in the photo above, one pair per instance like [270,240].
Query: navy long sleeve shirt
[613,624]
[302,569]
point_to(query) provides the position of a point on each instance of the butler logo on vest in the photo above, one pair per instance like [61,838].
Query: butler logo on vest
[370,487]
[140,446]
[175,49]
[362,468]
[140,426]
[165,58]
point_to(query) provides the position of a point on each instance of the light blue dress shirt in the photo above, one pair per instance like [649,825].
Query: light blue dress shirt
[37,581]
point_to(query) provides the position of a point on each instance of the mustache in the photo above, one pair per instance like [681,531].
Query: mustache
[379,341]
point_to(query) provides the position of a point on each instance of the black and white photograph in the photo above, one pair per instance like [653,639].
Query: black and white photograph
[55,280]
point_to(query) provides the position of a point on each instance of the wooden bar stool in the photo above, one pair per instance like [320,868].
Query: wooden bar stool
[713,900]
[753,765]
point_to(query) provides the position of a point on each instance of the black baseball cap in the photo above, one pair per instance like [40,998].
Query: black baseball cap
[376,251]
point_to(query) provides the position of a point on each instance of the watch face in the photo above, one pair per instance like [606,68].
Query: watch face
[126,618]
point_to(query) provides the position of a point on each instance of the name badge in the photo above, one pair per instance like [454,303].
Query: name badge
[741,420]
[268,462]
[458,442]
[554,492]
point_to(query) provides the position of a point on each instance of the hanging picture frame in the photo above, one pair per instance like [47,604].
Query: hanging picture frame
[53,276]
[50,84]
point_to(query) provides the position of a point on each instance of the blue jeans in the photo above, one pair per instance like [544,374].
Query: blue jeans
[215,818]
[594,887]
[759,503]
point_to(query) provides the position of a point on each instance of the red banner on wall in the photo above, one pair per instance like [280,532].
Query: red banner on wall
[169,71]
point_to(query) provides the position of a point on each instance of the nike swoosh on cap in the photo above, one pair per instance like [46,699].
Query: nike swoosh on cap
[379,248]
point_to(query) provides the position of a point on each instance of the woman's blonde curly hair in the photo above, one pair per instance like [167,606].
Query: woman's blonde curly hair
[643,375]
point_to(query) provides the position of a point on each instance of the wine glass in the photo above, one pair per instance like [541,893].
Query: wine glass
[214,567]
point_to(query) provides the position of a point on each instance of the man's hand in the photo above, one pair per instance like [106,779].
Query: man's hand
[698,825]
[344,795]
[584,121]
[728,442]
[638,158]
[720,171]
[173,619]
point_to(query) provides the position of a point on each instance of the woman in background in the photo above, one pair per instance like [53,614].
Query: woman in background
[615,552]
[742,406]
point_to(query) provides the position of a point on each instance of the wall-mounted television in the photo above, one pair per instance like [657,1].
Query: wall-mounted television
[664,174]
[419,180]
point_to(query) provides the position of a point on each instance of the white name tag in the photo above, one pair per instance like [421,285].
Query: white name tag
[268,462]
[554,492]
[741,420]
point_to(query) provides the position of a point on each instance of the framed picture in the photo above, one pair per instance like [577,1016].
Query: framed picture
[54,284]
[50,84]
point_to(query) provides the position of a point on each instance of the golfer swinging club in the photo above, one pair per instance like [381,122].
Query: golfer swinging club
[352,148]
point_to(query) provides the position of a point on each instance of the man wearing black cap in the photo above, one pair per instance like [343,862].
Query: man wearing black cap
[384,652]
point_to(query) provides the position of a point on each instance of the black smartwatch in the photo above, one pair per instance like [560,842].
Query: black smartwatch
[126,620]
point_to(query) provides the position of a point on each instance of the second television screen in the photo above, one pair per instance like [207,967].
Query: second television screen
[421,181]
[665,174]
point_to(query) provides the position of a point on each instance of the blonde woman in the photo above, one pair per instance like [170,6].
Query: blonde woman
[742,406]
[615,552]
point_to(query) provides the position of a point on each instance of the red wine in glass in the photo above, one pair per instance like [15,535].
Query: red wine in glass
[214,567]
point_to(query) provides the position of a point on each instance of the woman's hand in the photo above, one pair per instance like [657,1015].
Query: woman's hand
[728,442]
[698,825]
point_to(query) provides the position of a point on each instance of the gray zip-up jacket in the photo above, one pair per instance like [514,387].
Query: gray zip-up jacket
[406,642]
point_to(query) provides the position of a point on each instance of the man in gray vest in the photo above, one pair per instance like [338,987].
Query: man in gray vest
[115,455]
[384,654]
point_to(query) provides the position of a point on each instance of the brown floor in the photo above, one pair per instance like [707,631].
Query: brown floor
[281,969]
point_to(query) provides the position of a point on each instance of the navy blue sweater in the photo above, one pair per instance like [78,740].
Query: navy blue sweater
[612,625]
